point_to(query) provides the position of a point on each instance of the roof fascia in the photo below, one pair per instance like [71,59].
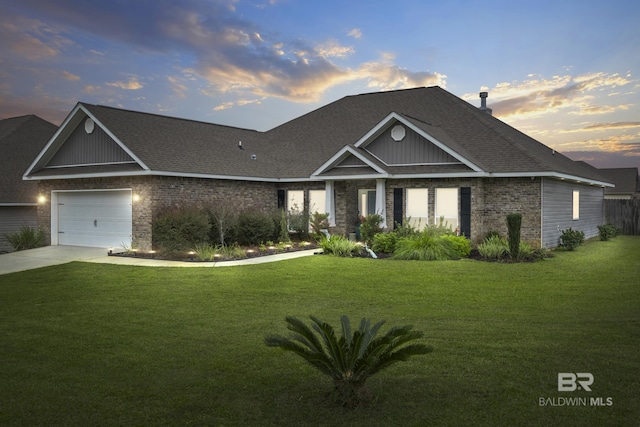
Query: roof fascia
[561,176]
[51,141]
[165,173]
[387,121]
[343,154]
[116,139]
[55,138]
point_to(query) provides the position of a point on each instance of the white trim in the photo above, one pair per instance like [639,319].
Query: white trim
[342,154]
[56,138]
[388,122]
[329,202]
[381,201]
[54,207]
[90,164]
[7,205]
[108,132]
[562,176]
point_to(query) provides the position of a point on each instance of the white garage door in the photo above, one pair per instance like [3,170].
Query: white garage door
[94,218]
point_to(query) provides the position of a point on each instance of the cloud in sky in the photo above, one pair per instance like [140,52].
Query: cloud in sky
[132,84]
[356,33]
[541,96]
[222,59]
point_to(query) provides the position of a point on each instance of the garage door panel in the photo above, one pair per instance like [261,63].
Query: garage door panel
[95,218]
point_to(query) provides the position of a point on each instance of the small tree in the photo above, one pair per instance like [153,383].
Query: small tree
[514,223]
[283,234]
[224,216]
[351,359]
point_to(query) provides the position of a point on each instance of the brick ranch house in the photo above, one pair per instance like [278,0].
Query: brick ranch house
[421,153]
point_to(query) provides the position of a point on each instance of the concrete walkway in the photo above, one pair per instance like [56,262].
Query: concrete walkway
[55,255]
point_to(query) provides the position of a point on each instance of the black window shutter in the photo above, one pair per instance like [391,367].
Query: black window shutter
[465,212]
[281,199]
[397,207]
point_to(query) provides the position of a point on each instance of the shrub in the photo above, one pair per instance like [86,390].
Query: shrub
[442,228]
[526,251]
[460,243]
[571,239]
[514,223]
[425,247]
[340,246]
[370,227]
[607,231]
[384,242]
[299,221]
[26,238]
[405,229]
[283,228]
[179,230]
[319,221]
[204,251]
[494,247]
[254,227]
[354,357]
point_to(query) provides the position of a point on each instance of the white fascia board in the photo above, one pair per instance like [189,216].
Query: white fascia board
[79,107]
[51,141]
[386,122]
[120,144]
[346,150]
[6,205]
[557,175]
[164,173]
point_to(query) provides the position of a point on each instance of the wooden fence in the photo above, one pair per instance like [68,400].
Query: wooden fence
[624,214]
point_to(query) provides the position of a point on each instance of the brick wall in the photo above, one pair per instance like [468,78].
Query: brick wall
[492,199]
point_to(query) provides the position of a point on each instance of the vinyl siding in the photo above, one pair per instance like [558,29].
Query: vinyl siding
[557,210]
[11,219]
[87,149]
[413,149]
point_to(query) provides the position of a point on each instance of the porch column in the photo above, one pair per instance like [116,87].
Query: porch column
[329,203]
[381,202]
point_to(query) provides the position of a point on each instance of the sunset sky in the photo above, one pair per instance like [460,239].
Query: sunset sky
[564,72]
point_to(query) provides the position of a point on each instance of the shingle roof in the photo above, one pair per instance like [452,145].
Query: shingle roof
[21,139]
[479,137]
[294,150]
[186,146]
[625,179]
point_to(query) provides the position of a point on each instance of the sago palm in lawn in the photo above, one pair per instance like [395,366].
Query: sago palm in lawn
[352,358]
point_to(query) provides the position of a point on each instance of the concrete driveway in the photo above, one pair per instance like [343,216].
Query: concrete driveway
[46,256]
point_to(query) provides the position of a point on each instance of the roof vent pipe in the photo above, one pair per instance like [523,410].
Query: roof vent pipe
[483,102]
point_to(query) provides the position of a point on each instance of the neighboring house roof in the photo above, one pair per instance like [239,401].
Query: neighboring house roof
[21,139]
[309,146]
[627,180]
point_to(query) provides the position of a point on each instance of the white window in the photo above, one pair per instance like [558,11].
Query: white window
[576,204]
[447,207]
[366,202]
[295,200]
[418,207]
[317,201]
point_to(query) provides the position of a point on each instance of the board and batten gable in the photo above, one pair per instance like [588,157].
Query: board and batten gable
[401,145]
[557,209]
[89,145]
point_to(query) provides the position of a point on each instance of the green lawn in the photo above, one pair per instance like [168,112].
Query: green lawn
[91,344]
